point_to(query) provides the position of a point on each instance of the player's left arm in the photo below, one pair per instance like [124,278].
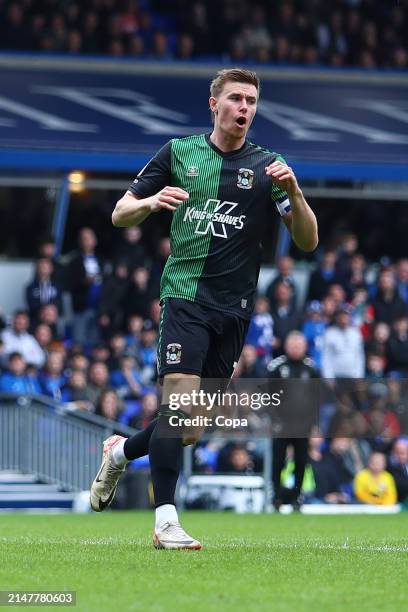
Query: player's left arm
[301,220]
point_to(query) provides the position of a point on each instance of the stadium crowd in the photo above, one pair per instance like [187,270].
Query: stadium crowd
[366,33]
[96,351]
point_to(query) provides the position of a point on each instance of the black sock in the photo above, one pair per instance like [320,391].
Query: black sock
[165,456]
[138,445]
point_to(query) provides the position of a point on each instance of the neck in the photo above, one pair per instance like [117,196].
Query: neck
[224,141]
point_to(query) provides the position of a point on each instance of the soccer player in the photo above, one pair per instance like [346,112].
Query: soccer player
[219,187]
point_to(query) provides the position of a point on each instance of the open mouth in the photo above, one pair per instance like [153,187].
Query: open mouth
[241,121]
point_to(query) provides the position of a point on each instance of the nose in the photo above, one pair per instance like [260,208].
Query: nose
[244,105]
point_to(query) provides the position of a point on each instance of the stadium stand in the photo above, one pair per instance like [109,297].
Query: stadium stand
[367,33]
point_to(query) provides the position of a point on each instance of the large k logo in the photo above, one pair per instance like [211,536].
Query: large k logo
[214,217]
[204,227]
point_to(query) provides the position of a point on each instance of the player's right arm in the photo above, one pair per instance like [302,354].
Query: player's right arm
[133,210]
[150,192]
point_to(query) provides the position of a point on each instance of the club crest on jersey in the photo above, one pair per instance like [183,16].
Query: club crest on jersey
[192,171]
[245,178]
[173,354]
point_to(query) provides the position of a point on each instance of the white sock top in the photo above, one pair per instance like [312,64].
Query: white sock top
[166,514]
[118,455]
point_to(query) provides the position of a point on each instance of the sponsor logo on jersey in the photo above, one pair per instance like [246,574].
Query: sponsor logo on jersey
[173,354]
[214,222]
[245,178]
[192,171]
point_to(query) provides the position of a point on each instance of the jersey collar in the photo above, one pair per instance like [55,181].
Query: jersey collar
[225,154]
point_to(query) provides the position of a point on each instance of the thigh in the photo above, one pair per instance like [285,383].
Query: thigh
[225,347]
[184,338]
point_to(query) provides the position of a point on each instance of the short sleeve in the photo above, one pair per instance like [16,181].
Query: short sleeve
[155,175]
[279,196]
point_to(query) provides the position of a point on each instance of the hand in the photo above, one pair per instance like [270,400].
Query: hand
[283,176]
[168,198]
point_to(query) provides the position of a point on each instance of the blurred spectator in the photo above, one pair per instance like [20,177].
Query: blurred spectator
[98,379]
[134,329]
[338,294]
[147,355]
[346,420]
[52,378]
[387,304]
[260,331]
[47,250]
[91,33]
[139,293]
[382,423]
[43,289]
[356,277]
[17,339]
[313,329]
[374,485]
[112,300]
[85,273]
[294,421]
[402,279]
[48,315]
[79,361]
[323,277]
[14,33]
[343,351]
[76,391]
[333,479]
[100,352]
[74,42]
[362,311]
[284,314]
[348,245]
[284,274]
[397,352]
[130,250]
[149,408]
[16,379]
[109,405]
[329,308]
[160,48]
[249,365]
[185,47]
[375,369]
[378,344]
[43,335]
[117,345]
[126,380]
[58,33]
[398,467]
[234,458]
[356,453]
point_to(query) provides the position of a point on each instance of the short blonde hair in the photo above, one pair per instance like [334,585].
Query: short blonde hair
[236,75]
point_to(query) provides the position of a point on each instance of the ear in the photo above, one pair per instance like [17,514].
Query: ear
[213,105]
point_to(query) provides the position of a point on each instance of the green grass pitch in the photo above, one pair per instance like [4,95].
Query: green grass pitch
[249,562]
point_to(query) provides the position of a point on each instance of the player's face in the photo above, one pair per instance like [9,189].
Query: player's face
[235,108]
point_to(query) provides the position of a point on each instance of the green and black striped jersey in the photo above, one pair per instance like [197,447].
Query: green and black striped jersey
[215,235]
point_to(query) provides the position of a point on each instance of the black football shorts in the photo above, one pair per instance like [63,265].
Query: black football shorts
[195,339]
